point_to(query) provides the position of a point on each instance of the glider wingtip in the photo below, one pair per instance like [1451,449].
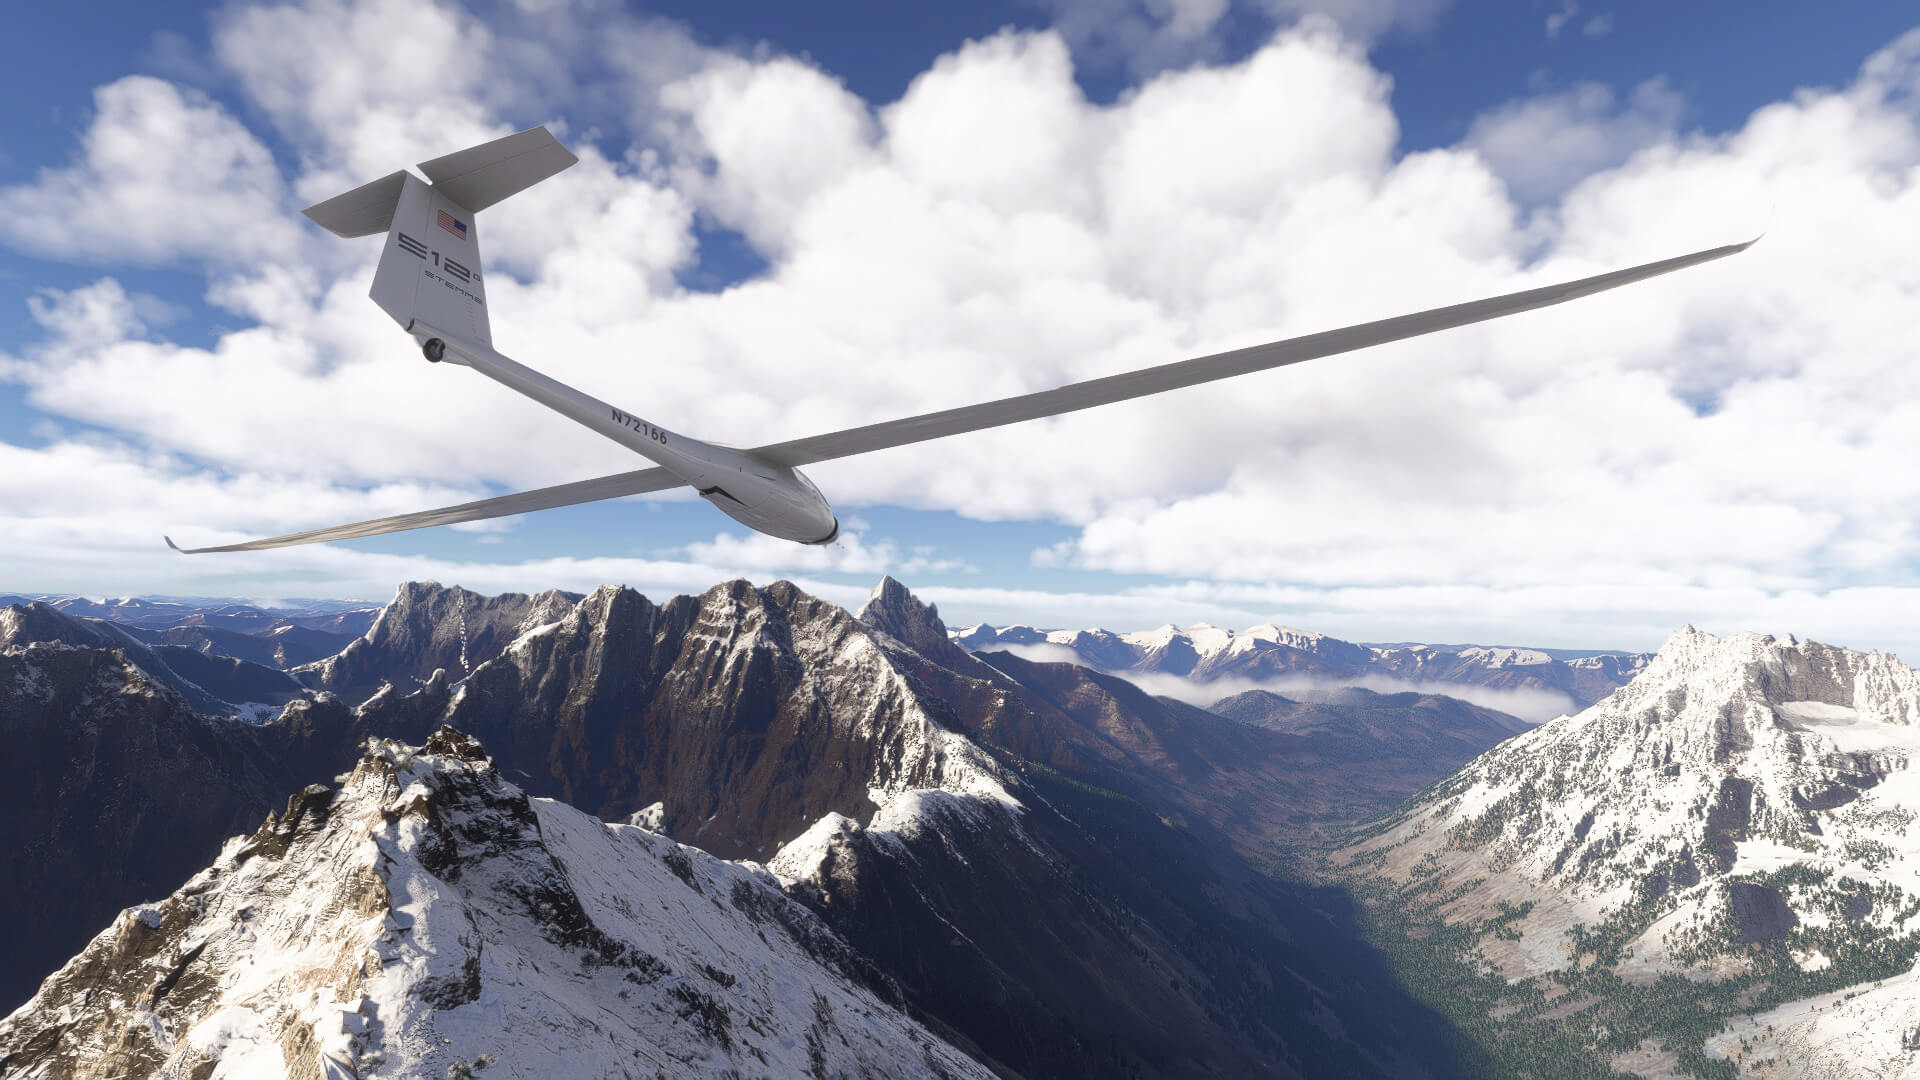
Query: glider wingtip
[1764,229]
[173,545]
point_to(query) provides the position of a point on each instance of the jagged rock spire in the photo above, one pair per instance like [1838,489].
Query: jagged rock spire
[893,610]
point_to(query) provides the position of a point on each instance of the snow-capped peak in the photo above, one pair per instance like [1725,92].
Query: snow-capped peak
[1770,672]
[429,919]
[1153,639]
[1500,657]
[1725,760]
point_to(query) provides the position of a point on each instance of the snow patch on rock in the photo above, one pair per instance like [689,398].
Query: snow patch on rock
[429,914]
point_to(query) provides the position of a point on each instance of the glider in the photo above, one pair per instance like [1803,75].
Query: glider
[429,280]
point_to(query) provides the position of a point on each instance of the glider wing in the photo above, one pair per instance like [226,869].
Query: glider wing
[1154,380]
[580,491]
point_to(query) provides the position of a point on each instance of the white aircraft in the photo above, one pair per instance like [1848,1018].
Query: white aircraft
[429,280]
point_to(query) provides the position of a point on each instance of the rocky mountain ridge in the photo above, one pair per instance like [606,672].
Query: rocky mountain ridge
[426,628]
[213,685]
[427,918]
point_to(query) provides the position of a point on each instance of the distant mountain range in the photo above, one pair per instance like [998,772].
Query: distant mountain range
[1534,683]
[348,617]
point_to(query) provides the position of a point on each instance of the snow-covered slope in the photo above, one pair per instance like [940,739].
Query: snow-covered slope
[1725,754]
[428,919]
[1741,811]
[1867,1031]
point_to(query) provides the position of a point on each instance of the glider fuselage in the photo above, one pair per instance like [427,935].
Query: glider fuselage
[774,499]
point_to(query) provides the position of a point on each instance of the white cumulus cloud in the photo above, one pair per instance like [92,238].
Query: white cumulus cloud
[1726,439]
[1543,145]
[163,174]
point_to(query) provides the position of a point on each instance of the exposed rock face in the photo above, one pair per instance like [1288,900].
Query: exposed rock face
[112,789]
[1759,913]
[1102,895]
[426,627]
[747,713]
[429,919]
[989,929]
[894,611]
[1266,780]
[1739,792]
[1098,941]
[750,715]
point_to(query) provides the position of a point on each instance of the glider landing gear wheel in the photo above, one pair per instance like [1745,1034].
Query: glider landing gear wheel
[435,350]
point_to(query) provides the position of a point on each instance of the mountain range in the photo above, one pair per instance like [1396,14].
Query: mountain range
[1048,872]
[158,613]
[1537,683]
[749,832]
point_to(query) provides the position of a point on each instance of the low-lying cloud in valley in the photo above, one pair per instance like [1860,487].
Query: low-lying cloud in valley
[1535,706]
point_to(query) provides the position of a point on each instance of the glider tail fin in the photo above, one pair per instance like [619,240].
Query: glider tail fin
[429,270]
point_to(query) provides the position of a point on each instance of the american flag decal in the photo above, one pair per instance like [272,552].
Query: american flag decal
[453,225]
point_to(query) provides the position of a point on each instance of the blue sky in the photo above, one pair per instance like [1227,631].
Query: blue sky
[1444,148]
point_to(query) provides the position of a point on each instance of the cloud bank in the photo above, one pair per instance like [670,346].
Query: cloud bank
[1532,705]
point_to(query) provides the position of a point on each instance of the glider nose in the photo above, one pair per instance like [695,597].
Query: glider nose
[830,537]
